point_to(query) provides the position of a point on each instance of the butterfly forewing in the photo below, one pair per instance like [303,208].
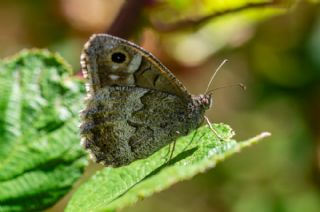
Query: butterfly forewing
[139,67]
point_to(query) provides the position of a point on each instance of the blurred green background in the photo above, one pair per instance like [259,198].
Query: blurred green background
[273,47]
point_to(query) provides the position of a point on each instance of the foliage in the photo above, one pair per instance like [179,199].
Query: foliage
[205,27]
[114,188]
[39,152]
[39,145]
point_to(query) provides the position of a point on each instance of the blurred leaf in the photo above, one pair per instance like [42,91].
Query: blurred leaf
[180,4]
[196,12]
[39,144]
[205,27]
[114,188]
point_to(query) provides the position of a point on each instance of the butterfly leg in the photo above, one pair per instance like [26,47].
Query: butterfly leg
[173,148]
[169,151]
[212,129]
[191,141]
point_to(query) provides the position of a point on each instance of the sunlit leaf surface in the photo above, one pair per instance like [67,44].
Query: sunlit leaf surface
[40,155]
[114,188]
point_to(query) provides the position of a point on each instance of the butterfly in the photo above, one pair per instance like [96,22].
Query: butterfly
[134,104]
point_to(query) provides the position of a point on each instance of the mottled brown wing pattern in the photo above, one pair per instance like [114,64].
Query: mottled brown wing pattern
[134,105]
[119,132]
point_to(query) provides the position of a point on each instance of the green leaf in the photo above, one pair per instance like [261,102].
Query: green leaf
[39,143]
[195,10]
[205,27]
[114,188]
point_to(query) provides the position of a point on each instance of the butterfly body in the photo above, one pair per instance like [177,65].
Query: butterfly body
[135,106]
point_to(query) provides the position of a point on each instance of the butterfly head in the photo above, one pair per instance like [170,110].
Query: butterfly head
[204,101]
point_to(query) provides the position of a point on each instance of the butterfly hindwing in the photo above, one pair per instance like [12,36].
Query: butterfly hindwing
[119,132]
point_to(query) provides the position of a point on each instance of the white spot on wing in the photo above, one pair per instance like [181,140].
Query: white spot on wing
[114,76]
[83,142]
[115,66]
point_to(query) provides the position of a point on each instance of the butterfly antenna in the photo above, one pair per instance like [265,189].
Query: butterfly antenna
[214,74]
[242,86]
